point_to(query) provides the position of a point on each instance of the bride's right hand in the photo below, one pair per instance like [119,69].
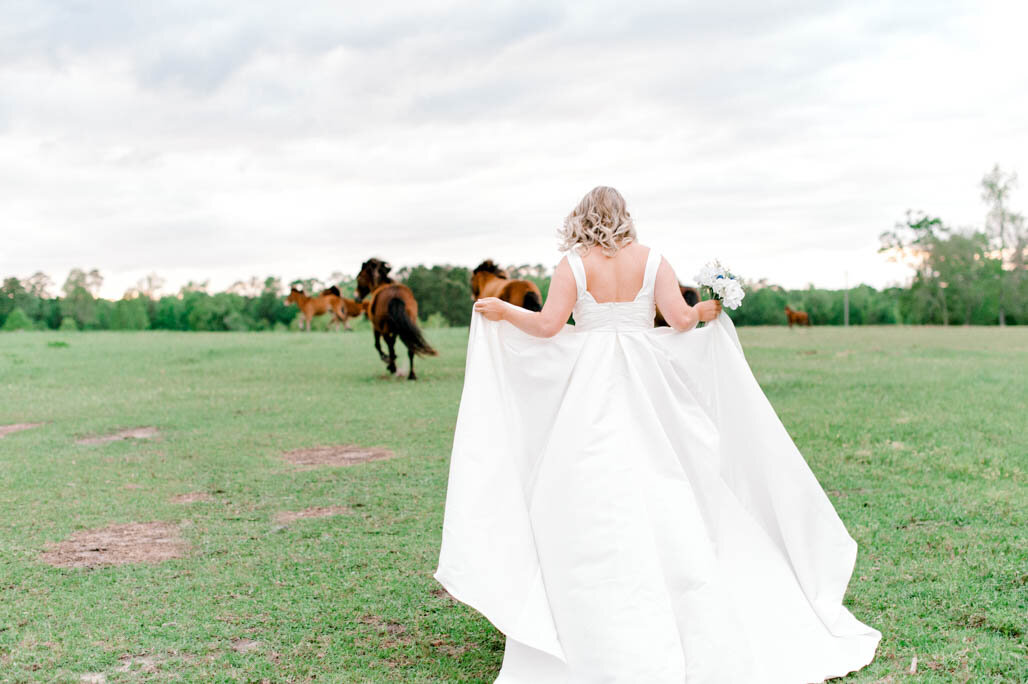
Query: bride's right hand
[709,309]
[490,307]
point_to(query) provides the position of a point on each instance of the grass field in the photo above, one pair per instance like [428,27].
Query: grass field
[918,435]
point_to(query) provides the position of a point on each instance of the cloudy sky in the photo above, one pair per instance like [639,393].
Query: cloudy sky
[218,141]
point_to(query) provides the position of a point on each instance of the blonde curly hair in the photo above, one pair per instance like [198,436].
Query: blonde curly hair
[602,219]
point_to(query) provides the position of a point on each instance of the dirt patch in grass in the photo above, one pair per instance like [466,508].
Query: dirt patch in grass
[151,542]
[338,455]
[244,645]
[443,594]
[395,634]
[16,427]
[139,662]
[314,512]
[129,433]
[191,497]
[454,651]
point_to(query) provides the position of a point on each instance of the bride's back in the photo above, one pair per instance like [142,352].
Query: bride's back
[618,278]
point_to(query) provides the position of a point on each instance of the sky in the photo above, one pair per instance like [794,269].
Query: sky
[220,141]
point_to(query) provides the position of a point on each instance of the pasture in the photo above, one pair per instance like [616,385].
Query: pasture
[278,571]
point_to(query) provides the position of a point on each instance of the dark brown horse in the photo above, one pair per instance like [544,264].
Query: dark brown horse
[489,280]
[393,313]
[691,296]
[797,317]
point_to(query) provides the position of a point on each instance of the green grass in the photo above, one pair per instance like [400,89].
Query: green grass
[918,434]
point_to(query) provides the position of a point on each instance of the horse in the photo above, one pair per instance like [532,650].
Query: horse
[317,306]
[797,317]
[393,313]
[489,280]
[691,296]
[351,308]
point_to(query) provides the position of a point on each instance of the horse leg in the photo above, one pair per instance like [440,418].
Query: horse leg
[410,355]
[378,346]
[391,343]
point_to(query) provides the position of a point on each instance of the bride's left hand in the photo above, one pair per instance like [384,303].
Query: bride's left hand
[490,307]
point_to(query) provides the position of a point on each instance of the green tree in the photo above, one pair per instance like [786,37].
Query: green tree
[130,314]
[17,320]
[440,289]
[1008,236]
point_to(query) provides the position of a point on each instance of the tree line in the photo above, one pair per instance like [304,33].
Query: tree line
[960,276]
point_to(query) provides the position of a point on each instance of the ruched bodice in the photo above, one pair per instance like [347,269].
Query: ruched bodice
[591,315]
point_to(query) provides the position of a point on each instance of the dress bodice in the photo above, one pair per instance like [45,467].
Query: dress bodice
[637,314]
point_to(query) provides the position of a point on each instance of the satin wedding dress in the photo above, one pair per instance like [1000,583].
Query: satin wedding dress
[625,506]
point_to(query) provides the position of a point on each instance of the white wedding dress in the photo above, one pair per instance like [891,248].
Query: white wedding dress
[625,506]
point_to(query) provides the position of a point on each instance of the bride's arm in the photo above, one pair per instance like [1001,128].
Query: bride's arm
[672,305]
[546,323]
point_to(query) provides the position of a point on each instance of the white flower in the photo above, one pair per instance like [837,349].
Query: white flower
[722,284]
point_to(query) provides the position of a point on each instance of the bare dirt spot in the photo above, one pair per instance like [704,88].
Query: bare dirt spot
[314,512]
[138,662]
[130,433]
[339,455]
[452,650]
[132,485]
[244,645]
[443,594]
[395,634]
[151,542]
[93,678]
[191,497]
[16,427]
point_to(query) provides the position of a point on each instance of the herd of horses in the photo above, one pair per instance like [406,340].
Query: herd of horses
[393,310]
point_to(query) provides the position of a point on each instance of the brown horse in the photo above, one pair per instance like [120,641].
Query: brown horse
[316,306]
[797,317]
[351,308]
[489,280]
[393,312]
[691,296]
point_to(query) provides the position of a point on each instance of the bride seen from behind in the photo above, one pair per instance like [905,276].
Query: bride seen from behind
[623,502]
[602,230]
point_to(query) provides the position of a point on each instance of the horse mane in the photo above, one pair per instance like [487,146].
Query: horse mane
[334,290]
[489,266]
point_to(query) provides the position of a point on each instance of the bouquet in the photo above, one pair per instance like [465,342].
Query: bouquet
[720,283]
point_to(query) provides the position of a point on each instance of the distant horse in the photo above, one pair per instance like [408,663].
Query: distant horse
[691,296]
[351,308]
[797,317]
[317,306]
[393,312]
[489,280]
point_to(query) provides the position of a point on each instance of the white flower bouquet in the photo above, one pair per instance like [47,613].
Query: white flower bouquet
[720,283]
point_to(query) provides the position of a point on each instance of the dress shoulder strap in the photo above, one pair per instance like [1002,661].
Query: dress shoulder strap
[650,274]
[578,270]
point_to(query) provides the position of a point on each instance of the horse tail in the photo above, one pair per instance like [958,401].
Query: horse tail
[408,329]
[532,302]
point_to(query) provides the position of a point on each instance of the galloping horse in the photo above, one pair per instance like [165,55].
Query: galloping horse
[489,280]
[393,313]
[351,308]
[691,296]
[317,306]
[797,317]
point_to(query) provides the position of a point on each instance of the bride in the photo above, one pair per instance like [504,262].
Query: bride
[623,502]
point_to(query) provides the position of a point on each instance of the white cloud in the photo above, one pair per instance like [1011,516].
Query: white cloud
[222,142]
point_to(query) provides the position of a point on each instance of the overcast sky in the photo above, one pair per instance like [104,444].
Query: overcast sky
[215,143]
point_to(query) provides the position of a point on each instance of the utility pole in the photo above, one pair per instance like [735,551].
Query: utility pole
[846,299]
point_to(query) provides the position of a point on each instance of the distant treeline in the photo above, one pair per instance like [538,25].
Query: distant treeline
[973,276]
[444,298]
